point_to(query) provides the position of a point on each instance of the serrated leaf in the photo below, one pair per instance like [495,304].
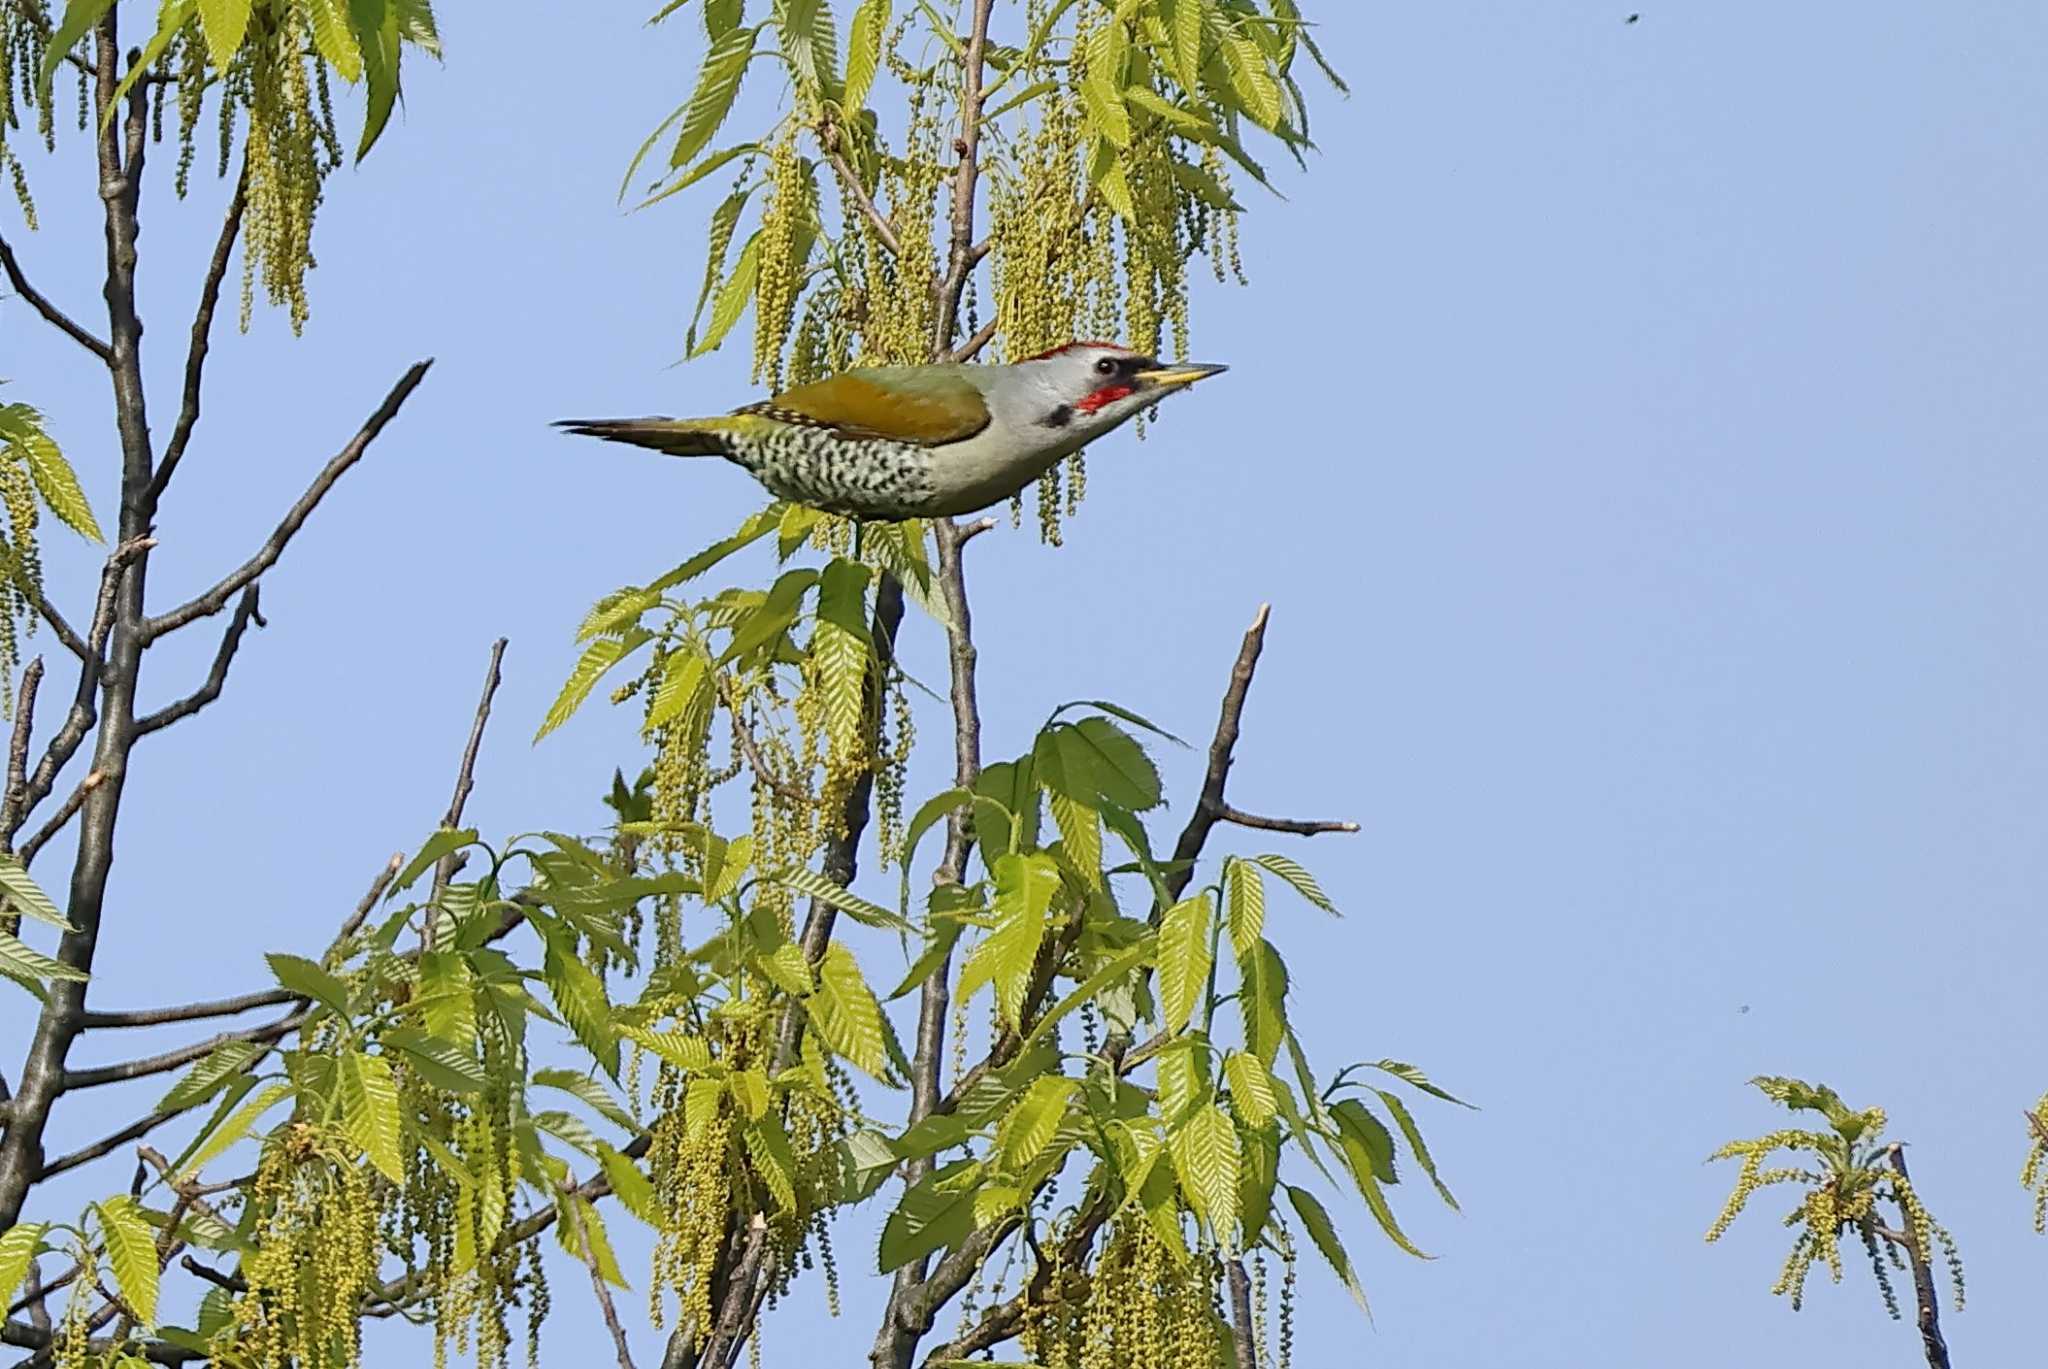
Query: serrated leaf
[599,657]
[439,1063]
[1251,1089]
[567,1126]
[683,677]
[633,1189]
[1037,1115]
[29,967]
[1121,964]
[54,479]
[131,1254]
[749,1090]
[928,813]
[1323,1233]
[1304,883]
[1004,958]
[1368,1145]
[768,1143]
[1258,94]
[718,84]
[688,1053]
[447,998]
[369,1112]
[1247,905]
[1376,1203]
[79,18]
[1183,1077]
[1184,960]
[580,997]
[1097,763]
[787,969]
[1262,1001]
[846,1014]
[306,979]
[334,38]
[1205,1156]
[1413,1134]
[814,885]
[1410,1075]
[234,1128]
[863,52]
[1187,43]
[1081,832]
[840,648]
[18,1249]
[588,1091]
[226,23]
[934,1214]
[25,895]
[1102,87]
[701,1101]
[445,842]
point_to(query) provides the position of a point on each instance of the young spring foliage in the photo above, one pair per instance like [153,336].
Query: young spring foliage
[1848,1172]
[266,65]
[33,476]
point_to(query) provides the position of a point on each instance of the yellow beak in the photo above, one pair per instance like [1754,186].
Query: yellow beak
[1173,377]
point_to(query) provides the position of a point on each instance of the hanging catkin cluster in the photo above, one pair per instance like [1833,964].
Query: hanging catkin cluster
[291,148]
[1145,1305]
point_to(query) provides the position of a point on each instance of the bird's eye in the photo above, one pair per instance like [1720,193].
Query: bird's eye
[1106,367]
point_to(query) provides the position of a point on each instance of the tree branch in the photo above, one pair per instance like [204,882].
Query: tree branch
[188,1012]
[465,778]
[17,764]
[52,315]
[856,193]
[62,817]
[1241,1315]
[202,339]
[603,1292]
[1294,826]
[66,634]
[1924,1294]
[215,599]
[1210,807]
[960,253]
[183,1055]
[246,612]
[974,346]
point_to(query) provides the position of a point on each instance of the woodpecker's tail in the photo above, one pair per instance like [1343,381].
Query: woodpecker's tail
[676,436]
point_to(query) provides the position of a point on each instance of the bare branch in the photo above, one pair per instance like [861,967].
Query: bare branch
[465,774]
[215,599]
[856,194]
[598,1286]
[202,338]
[368,901]
[960,254]
[233,1283]
[52,315]
[246,612]
[1293,826]
[66,634]
[1928,1301]
[184,1055]
[17,763]
[1209,808]
[974,346]
[1241,1316]
[62,817]
[188,1012]
[106,1145]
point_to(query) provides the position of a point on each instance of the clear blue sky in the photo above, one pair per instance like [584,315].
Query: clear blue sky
[1638,430]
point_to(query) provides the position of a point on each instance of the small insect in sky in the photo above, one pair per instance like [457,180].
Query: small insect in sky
[1632,19]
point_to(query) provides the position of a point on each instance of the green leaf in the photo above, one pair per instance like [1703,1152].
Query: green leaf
[863,52]
[929,1217]
[1184,960]
[234,1128]
[25,896]
[1029,1128]
[1367,1143]
[768,1143]
[1258,1175]
[1119,711]
[840,647]
[333,37]
[1323,1232]
[808,882]
[445,842]
[54,479]
[1081,832]
[1262,1001]
[29,967]
[945,935]
[845,1012]
[690,1054]
[787,969]
[1413,1134]
[1187,27]
[749,1090]
[369,1112]
[437,1062]
[18,1249]
[633,1189]
[306,979]
[207,1077]
[683,677]
[718,84]
[79,18]
[382,27]
[1096,763]
[1119,965]
[1251,1089]
[1304,883]
[599,657]
[1415,1078]
[580,997]
[131,1254]
[1376,1203]
[1205,1156]
[579,1229]
[1247,905]
[226,23]
[1102,87]
[447,997]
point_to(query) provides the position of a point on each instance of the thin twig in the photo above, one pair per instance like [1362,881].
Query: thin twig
[856,193]
[65,812]
[17,763]
[465,775]
[751,749]
[188,1012]
[1924,1295]
[54,316]
[246,612]
[974,346]
[588,1254]
[233,1283]
[63,630]
[202,338]
[1209,808]
[1241,1315]
[368,901]
[1294,826]
[184,1055]
[216,599]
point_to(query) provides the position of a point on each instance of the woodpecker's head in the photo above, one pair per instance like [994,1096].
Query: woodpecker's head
[1084,389]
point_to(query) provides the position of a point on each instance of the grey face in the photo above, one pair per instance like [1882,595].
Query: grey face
[1090,388]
